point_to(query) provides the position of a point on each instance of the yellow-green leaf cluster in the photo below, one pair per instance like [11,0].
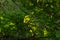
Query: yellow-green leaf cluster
[26,19]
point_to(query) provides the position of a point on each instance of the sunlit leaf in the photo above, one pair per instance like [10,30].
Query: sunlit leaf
[38,1]
[6,25]
[11,23]
[52,6]
[34,28]
[32,12]
[30,30]
[47,5]
[26,19]
[45,32]
[1,18]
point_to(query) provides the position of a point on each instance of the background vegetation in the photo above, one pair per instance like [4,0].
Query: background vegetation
[29,19]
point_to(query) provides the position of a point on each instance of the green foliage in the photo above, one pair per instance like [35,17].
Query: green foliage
[30,19]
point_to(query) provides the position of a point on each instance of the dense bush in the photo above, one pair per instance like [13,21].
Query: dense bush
[30,20]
